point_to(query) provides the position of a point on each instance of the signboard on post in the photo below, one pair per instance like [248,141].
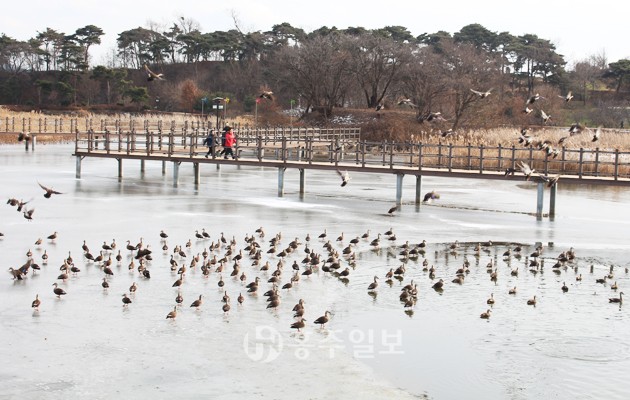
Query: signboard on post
[218,106]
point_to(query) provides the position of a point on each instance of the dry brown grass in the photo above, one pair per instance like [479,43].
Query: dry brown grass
[56,127]
[395,125]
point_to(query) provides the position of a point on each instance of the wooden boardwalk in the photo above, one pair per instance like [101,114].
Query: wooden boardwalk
[342,150]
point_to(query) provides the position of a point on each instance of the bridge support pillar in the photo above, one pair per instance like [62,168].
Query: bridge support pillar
[418,189]
[399,184]
[552,200]
[281,181]
[78,162]
[176,173]
[163,168]
[301,183]
[120,168]
[196,171]
[539,200]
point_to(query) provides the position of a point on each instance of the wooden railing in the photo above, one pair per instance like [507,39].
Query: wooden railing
[164,127]
[342,150]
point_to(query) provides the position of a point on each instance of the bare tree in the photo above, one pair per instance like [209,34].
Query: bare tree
[317,71]
[421,81]
[465,67]
[585,73]
[376,61]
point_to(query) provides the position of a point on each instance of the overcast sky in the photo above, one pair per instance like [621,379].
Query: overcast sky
[578,28]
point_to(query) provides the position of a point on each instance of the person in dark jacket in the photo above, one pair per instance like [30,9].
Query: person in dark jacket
[209,141]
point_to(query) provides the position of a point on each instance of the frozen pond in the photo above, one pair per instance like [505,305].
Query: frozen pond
[87,345]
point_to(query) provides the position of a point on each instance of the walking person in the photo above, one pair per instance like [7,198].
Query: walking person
[225,129]
[209,141]
[229,142]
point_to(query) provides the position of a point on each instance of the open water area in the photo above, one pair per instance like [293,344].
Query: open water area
[88,345]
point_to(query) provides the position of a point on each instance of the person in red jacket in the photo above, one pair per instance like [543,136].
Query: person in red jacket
[228,143]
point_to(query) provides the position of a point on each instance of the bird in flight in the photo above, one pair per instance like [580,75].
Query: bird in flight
[550,180]
[545,117]
[596,134]
[533,99]
[434,116]
[447,133]
[482,95]
[576,129]
[525,137]
[28,214]
[151,76]
[49,191]
[266,94]
[568,97]
[430,197]
[407,102]
[344,177]
[526,170]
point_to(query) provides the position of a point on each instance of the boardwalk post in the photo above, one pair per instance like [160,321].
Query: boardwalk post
[391,155]
[399,185]
[163,168]
[281,181]
[142,167]
[596,161]
[616,173]
[260,152]
[176,173]
[418,189]
[302,183]
[309,152]
[120,168]
[78,173]
[539,200]
[552,200]
[197,174]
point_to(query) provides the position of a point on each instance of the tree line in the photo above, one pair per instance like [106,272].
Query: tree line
[322,70]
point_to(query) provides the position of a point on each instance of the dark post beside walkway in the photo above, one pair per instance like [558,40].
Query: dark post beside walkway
[197,173]
[552,200]
[30,140]
[539,200]
[301,183]
[120,168]
[78,172]
[176,173]
[399,185]
[418,189]
[281,181]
